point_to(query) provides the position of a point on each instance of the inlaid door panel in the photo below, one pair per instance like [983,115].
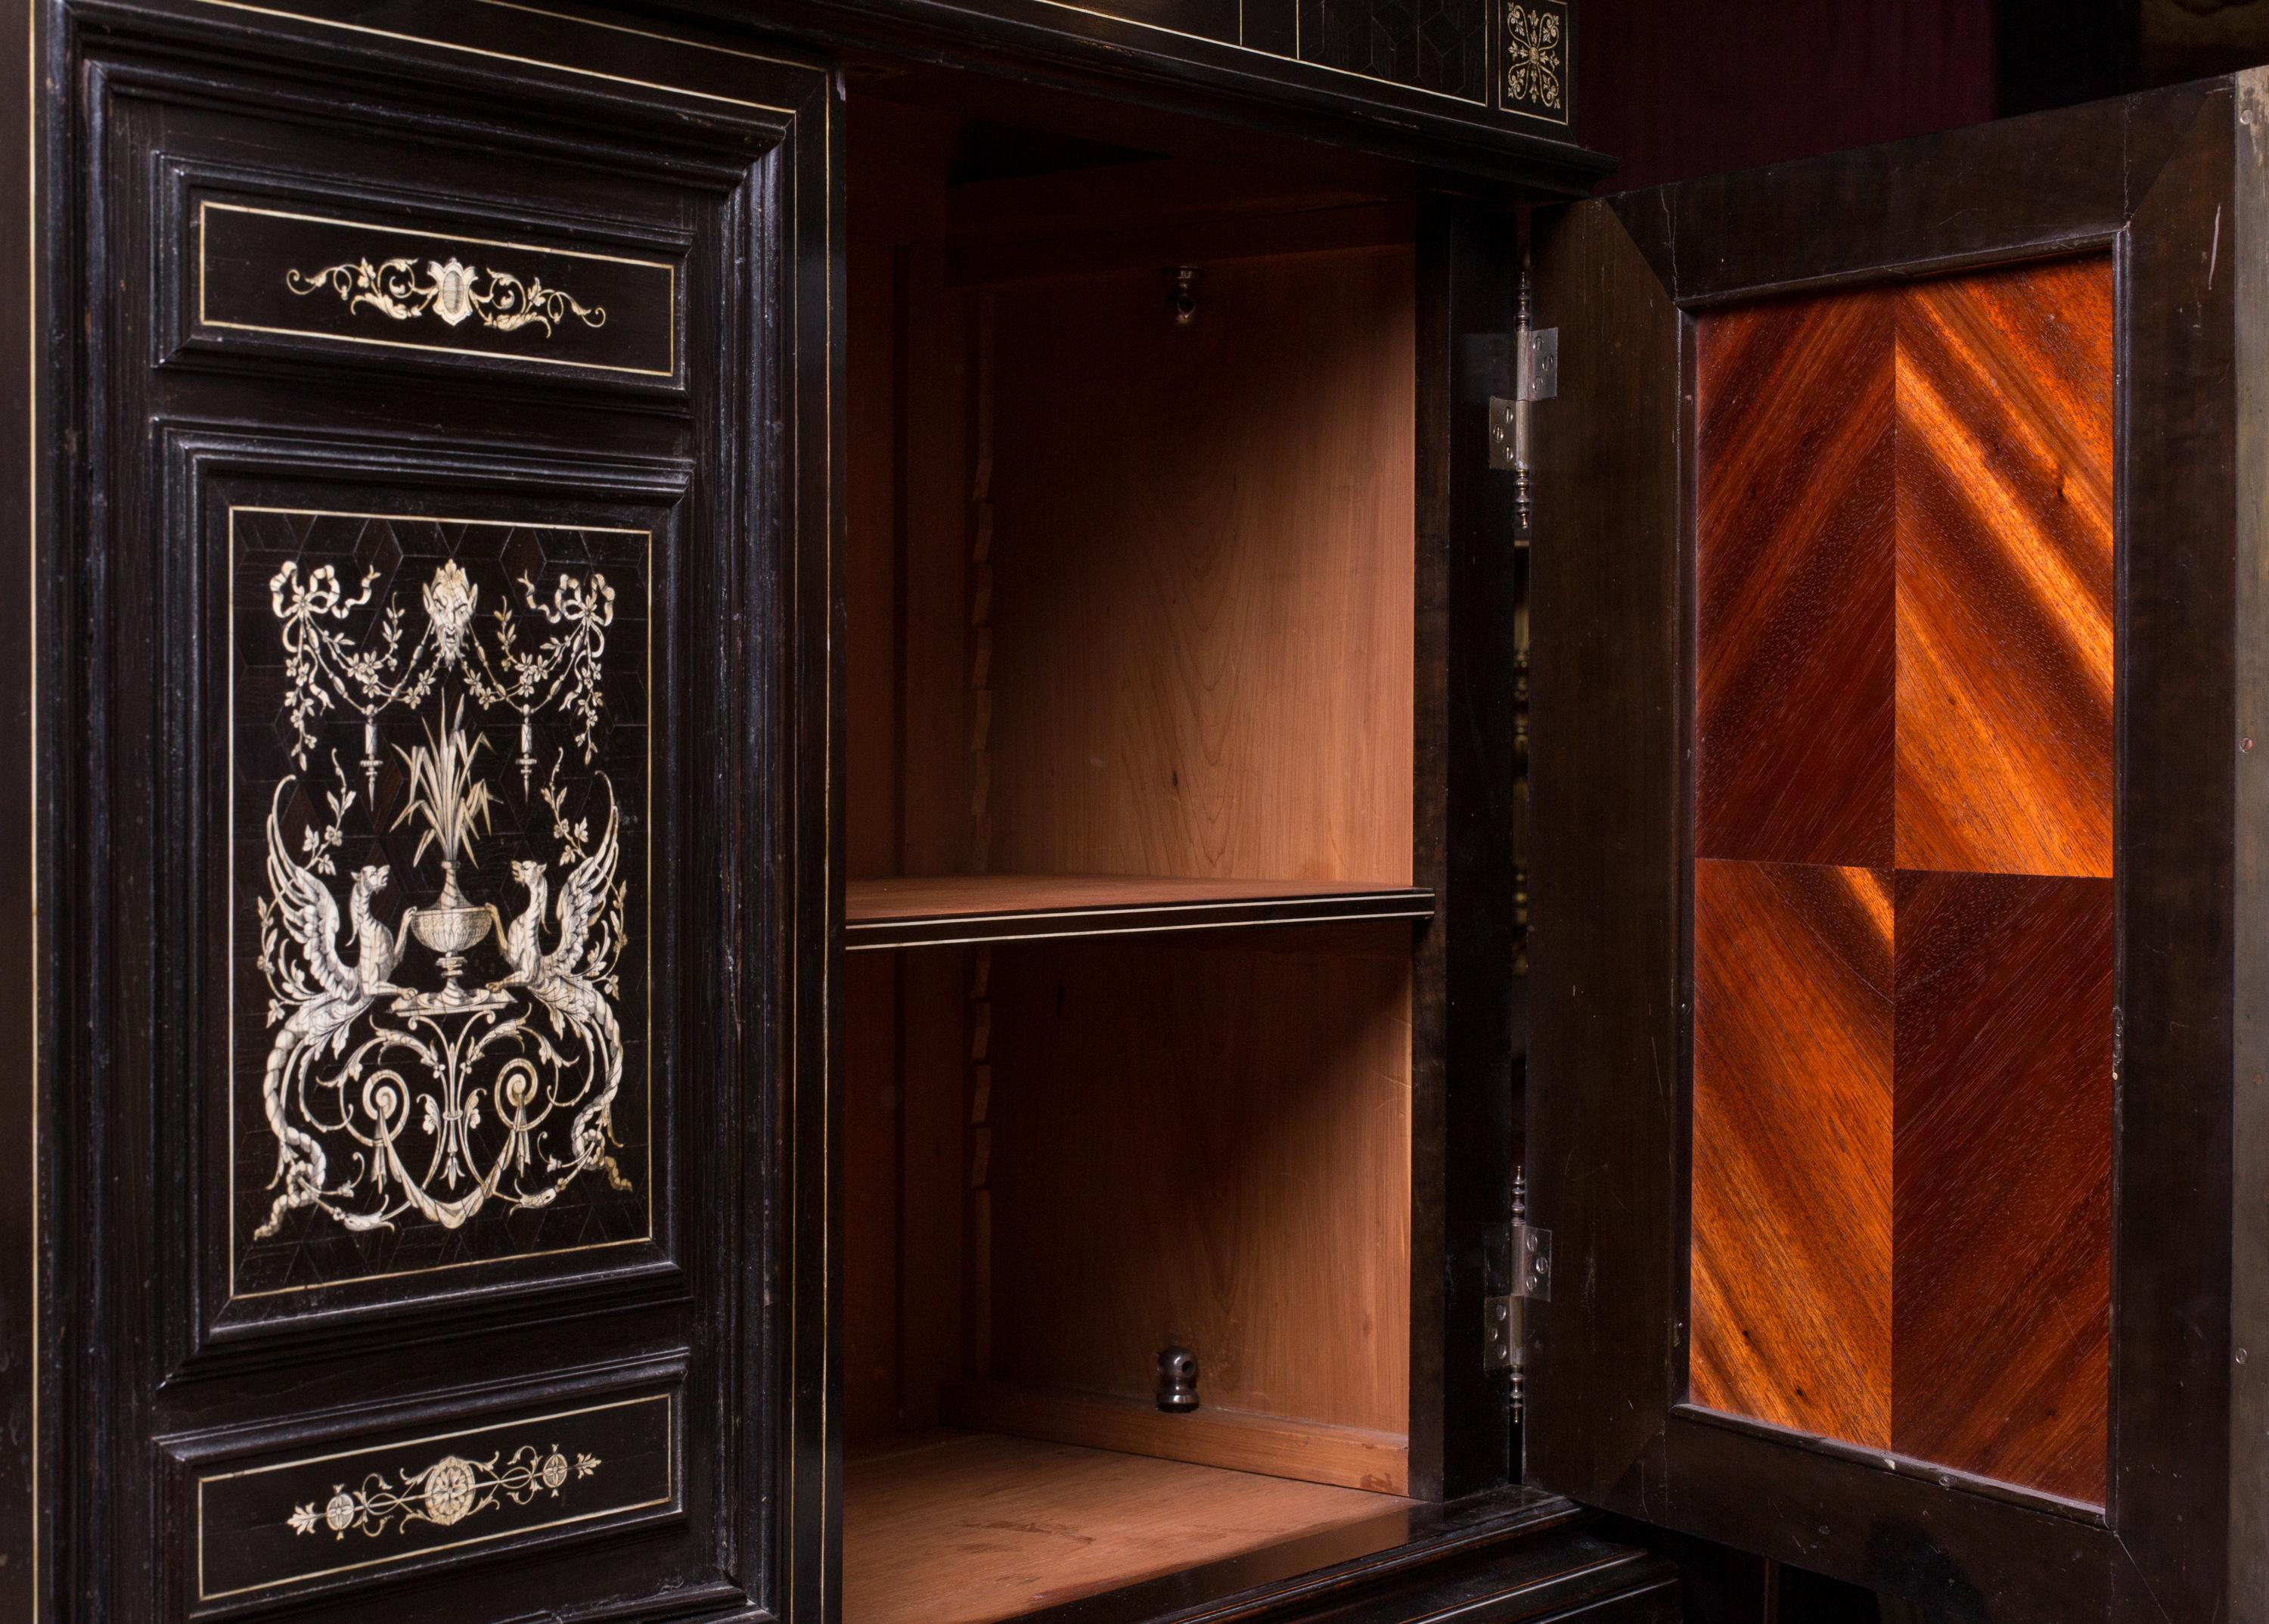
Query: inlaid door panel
[435,700]
[443,474]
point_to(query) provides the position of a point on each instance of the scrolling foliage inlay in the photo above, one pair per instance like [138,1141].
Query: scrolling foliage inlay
[439,843]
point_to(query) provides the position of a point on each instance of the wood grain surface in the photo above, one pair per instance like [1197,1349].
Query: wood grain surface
[1902,1149]
[1793,1124]
[1793,595]
[975,896]
[1276,1445]
[1200,1143]
[871,1199]
[2002,1193]
[2004,570]
[959,1528]
[1202,609]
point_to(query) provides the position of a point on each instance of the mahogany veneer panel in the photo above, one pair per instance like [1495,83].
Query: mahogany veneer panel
[1902,1152]
[1793,1124]
[2002,1192]
[958,1528]
[1793,714]
[2005,570]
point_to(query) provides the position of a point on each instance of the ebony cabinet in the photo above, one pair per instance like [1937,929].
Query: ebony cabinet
[775,841]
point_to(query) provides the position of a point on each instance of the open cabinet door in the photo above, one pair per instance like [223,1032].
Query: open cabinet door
[1896,679]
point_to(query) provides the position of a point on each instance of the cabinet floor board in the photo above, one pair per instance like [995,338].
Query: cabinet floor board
[961,1528]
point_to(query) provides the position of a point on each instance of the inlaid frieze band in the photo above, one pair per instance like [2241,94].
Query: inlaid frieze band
[443,1492]
[370,1503]
[441,842]
[296,278]
[451,291]
[1534,80]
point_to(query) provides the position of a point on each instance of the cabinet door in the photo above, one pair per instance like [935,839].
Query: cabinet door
[1896,976]
[431,575]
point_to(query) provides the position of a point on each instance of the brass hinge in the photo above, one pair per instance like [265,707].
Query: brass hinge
[1504,1318]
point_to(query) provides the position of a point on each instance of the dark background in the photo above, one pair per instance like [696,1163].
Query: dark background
[1677,88]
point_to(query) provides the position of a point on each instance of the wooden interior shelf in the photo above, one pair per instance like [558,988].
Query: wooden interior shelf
[965,908]
[960,1528]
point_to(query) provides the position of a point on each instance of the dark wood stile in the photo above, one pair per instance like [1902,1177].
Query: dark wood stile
[2155,179]
[1464,1124]
[22,1007]
[2249,1143]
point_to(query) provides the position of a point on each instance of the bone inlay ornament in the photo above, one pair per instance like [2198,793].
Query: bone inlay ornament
[447,289]
[471,1053]
[444,1493]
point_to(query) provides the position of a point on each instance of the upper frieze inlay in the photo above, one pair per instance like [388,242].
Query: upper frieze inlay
[452,291]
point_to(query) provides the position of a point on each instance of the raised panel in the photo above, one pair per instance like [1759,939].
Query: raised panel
[442,882]
[529,1120]
[283,267]
[357,1501]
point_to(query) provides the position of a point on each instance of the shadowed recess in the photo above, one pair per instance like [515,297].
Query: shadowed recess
[2005,571]
[2002,1194]
[1791,1241]
[1793,718]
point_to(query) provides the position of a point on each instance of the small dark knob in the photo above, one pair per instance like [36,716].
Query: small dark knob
[1178,1380]
[1182,298]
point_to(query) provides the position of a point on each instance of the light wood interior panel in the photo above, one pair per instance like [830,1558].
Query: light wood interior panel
[960,1528]
[1203,559]
[1249,1193]
[1130,624]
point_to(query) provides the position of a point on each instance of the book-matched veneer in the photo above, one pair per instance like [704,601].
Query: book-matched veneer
[1903,942]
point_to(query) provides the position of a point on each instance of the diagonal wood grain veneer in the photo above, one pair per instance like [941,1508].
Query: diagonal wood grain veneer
[1904,916]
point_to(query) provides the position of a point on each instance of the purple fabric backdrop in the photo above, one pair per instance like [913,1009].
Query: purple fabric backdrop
[1676,88]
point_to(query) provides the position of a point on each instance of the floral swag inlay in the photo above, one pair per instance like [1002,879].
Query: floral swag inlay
[451,289]
[443,1493]
[392,1086]
[1531,51]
